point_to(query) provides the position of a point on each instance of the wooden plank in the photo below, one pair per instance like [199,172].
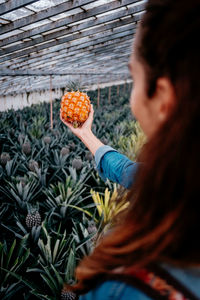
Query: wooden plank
[11,5]
[14,73]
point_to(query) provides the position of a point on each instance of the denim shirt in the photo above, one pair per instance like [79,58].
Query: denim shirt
[115,166]
[118,168]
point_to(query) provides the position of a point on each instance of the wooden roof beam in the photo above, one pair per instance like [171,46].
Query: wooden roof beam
[11,5]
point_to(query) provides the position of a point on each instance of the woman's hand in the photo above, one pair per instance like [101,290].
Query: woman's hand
[84,133]
[84,128]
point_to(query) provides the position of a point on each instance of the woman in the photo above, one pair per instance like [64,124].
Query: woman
[155,251]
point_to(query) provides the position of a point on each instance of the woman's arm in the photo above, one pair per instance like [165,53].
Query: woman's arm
[110,163]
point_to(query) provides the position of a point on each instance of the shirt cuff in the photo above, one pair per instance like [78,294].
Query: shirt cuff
[100,153]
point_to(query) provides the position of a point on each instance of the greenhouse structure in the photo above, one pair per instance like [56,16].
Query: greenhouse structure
[44,43]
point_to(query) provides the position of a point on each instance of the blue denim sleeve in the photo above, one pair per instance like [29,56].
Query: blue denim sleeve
[114,290]
[115,166]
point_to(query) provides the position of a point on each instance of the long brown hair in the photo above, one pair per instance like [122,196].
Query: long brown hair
[162,223]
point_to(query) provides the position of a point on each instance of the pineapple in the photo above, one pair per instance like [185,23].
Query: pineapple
[72,146]
[33,165]
[77,163]
[55,133]
[47,126]
[104,140]
[89,156]
[47,139]
[67,295]
[21,138]
[26,148]
[64,151]
[4,158]
[75,107]
[11,132]
[33,217]
[92,227]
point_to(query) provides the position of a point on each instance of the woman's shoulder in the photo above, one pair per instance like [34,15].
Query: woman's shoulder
[115,290]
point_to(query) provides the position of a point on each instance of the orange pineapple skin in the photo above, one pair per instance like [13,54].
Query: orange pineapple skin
[75,107]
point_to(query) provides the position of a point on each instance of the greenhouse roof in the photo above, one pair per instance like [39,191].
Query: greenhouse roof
[84,40]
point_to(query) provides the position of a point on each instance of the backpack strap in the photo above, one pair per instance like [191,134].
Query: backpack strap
[163,283]
[175,283]
[156,283]
[136,283]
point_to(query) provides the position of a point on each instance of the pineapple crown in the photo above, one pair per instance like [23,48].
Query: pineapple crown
[32,208]
[74,86]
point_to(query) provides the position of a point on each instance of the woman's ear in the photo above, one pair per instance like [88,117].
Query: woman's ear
[165,98]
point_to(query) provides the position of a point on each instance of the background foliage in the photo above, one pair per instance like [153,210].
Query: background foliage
[49,192]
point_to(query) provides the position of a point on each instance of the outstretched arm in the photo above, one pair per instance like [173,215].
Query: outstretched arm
[110,163]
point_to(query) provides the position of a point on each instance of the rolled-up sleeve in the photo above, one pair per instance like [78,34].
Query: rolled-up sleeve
[115,166]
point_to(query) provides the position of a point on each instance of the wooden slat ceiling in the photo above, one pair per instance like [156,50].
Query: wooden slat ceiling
[84,40]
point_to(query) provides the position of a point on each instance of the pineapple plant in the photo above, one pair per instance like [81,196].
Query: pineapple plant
[108,206]
[75,107]
[33,217]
